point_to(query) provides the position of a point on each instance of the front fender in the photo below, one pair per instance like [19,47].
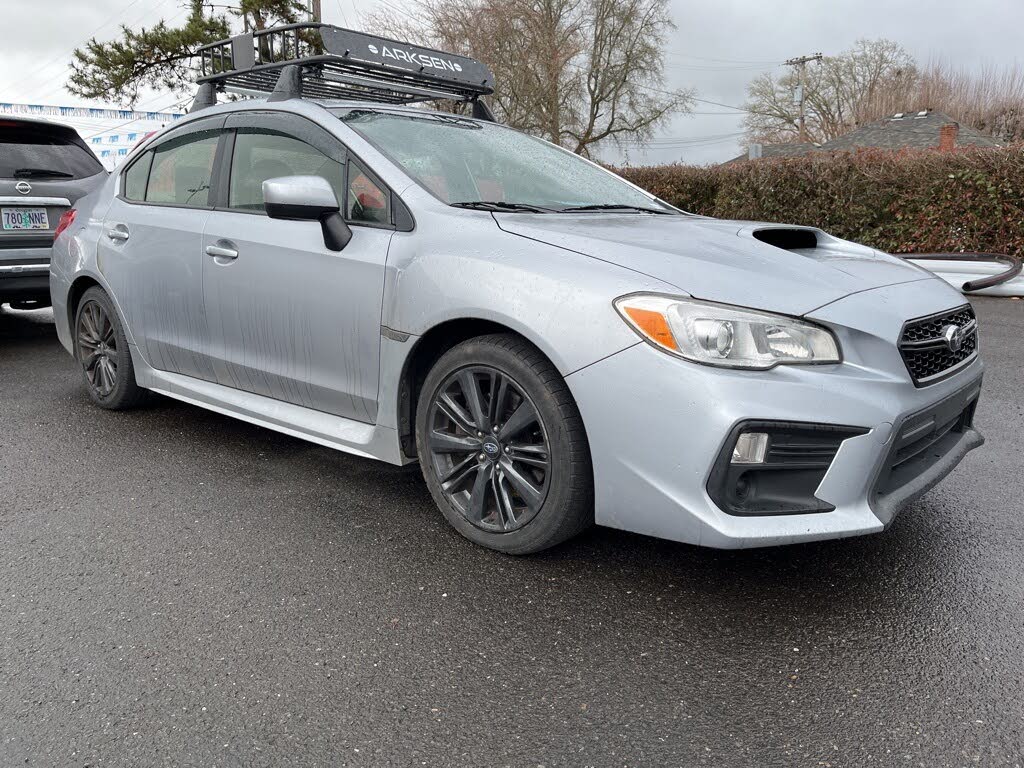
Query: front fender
[559,300]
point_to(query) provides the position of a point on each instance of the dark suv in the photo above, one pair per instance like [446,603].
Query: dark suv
[44,169]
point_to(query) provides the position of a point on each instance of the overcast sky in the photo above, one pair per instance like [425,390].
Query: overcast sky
[718,47]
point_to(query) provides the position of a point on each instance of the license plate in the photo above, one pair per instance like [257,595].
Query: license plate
[25,218]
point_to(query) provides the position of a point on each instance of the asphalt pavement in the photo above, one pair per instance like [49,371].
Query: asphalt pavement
[180,588]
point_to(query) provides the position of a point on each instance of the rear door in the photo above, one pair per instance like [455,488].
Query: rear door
[151,248]
[291,319]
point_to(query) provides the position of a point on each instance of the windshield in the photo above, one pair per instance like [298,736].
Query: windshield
[29,153]
[463,161]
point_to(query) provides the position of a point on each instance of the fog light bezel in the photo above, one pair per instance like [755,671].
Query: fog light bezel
[797,456]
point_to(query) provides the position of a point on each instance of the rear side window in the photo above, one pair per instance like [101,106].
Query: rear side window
[44,153]
[182,169]
[261,155]
[135,178]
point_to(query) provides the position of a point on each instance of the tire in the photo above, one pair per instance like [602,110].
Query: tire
[510,471]
[102,349]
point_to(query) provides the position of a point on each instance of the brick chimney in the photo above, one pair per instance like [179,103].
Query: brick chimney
[947,137]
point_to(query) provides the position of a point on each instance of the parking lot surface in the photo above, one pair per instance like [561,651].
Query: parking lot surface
[181,588]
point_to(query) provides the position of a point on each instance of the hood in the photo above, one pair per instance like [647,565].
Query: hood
[791,270]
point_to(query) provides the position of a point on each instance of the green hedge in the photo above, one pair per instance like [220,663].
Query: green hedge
[901,202]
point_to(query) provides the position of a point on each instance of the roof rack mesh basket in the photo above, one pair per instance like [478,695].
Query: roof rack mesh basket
[321,61]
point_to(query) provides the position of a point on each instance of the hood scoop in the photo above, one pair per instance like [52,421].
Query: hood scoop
[787,238]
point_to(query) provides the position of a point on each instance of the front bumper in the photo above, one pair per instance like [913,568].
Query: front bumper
[656,426]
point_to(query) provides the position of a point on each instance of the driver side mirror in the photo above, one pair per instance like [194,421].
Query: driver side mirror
[307,198]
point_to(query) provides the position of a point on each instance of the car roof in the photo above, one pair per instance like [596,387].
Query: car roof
[328,104]
[29,122]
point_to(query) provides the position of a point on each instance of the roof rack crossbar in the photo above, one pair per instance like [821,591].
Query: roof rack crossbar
[320,61]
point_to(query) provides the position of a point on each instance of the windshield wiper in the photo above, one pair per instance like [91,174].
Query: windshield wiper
[38,172]
[612,207]
[500,205]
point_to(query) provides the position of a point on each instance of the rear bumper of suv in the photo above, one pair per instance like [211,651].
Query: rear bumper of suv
[24,273]
[658,427]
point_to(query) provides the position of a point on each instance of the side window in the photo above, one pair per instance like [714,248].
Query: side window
[366,201]
[182,169]
[133,184]
[261,155]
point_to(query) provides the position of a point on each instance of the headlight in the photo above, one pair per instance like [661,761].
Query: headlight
[715,334]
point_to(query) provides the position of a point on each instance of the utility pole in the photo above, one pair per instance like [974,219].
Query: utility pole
[801,63]
[314,11]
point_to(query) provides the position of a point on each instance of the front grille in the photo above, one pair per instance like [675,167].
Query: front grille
[928,353]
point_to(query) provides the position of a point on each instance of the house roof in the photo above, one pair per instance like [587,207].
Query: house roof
[918,130]
[789,149]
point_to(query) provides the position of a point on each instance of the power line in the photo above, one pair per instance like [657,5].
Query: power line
[722,61]
[341,10]
[40,71]
[683,143]
[713,68]
[707,101]
[176,103]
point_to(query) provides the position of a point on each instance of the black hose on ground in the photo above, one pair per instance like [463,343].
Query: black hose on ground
[1012,263]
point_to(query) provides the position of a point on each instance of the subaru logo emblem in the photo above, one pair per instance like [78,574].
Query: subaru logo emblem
[953,334]
[491,449]
[24,187]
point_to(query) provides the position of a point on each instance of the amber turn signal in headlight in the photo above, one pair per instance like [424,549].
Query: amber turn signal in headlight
[732,337]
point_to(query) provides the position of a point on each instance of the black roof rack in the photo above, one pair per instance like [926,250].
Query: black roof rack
[320,61]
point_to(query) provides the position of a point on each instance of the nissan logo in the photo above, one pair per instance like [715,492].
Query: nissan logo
[24,187]
[953,334]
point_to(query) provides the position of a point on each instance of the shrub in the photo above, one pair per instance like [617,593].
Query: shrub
[971,199]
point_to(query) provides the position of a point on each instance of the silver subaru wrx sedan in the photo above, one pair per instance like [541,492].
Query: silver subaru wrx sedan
[553,345]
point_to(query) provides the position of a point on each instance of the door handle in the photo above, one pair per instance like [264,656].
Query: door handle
[221,252]
[118,232]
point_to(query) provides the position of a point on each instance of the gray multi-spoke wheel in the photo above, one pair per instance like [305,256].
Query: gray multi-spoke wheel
[489,449]
[102,349]
[502,446]
[97,347]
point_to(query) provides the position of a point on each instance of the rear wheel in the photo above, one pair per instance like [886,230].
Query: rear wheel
[502,446]
[102,349]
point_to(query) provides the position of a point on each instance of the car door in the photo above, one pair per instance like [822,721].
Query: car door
[291,319]
[150,251]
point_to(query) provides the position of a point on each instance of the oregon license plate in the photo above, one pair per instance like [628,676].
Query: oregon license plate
[25,218]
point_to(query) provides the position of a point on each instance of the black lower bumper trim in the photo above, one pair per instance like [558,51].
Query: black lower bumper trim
[926,446]
[24,287]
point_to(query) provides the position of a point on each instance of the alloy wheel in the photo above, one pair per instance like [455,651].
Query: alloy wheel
[97,348]
[489,449]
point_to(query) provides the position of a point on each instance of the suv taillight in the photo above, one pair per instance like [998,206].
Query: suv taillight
[66,220]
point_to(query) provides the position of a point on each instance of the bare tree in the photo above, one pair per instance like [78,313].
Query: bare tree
[990,101]
[577,72]
[837,91]
[877,78]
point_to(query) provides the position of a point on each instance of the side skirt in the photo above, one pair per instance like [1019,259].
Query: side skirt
[371,441]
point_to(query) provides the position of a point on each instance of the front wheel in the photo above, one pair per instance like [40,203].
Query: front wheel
[102,349]
[502,446]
